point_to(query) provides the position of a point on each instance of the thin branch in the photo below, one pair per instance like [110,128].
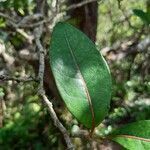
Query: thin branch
[30,18]
[74,6]
[7,17]
[84,134]
[57,123]
[27,21]
[25,35]
[8,78]
[81,134]
[37,33]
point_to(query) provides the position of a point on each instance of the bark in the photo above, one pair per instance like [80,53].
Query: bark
[85,18]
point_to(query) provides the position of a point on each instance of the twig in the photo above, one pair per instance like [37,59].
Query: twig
[81,134]
[8,78]
[37,33]
[57,123]
[30,18]
[27,21]
[84,134]
[74,6]
[25,35]
[7,17]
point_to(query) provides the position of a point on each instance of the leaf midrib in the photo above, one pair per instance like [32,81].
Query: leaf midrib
[133,137]
[84,83]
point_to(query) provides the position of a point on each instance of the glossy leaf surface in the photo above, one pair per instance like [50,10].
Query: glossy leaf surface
[134,136]
[81,74]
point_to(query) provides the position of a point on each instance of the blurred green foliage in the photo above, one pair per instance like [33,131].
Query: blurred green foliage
[112,23]
[22,7]
[145,16]
[27,125]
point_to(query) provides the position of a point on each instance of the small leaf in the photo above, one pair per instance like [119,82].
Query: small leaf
[81,74]
[134,136]
[144,16]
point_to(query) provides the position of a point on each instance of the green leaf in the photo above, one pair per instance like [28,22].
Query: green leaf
[81,74]
[134,136]
[144,16]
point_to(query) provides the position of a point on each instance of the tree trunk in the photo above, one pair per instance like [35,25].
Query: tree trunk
[85,17]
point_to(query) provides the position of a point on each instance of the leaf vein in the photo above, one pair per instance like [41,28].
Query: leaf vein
[85,86]
[134,137]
